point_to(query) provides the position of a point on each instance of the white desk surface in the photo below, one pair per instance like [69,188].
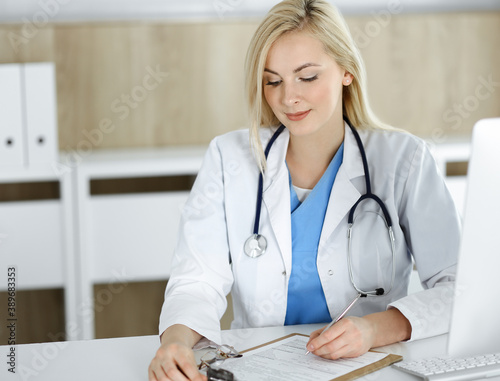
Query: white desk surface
[127,359]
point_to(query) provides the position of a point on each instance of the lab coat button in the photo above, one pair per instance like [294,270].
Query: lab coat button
[283,273]
[330,272]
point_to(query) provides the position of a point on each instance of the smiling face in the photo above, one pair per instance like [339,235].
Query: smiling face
[303,85]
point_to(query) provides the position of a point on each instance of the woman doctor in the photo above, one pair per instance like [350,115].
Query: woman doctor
[305,73]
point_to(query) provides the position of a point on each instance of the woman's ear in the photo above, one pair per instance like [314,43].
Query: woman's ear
[348,78]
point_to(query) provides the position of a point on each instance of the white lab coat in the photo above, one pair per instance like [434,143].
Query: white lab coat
[219,216]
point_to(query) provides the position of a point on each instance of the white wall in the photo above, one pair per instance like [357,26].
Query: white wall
[89,10]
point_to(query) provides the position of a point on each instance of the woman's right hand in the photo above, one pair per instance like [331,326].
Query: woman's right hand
[174,360]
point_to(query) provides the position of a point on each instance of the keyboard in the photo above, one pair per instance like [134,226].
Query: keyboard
[440,368]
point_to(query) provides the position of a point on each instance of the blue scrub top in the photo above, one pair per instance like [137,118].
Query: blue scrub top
[306,300]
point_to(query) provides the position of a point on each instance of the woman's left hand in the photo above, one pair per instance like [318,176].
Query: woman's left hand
[349,337]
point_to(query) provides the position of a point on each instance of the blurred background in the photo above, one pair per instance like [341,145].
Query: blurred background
[131,77]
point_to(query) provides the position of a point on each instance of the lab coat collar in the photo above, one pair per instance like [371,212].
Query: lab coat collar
[276,195]
[344,194]
[352,163]
[277,156]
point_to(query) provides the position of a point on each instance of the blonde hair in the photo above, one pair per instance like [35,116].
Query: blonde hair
[324,22]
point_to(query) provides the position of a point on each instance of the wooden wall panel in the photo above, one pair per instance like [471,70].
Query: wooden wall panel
[194,94]
[40,316]
[421,67]
[423,72]
[134,311]
[17,44]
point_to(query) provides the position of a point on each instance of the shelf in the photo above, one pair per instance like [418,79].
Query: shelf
[140,162]
[45,172]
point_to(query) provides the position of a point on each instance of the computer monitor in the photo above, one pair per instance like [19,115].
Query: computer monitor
[475,320]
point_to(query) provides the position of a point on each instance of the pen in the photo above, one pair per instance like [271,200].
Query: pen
[342,314]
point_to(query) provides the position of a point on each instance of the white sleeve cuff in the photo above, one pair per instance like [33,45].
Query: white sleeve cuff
[428,311]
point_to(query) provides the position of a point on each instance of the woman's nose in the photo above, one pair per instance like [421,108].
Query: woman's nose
[290,94]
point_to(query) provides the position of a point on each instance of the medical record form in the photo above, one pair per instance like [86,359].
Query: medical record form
[285,360]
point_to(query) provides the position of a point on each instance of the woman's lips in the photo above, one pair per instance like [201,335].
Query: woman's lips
[298,115]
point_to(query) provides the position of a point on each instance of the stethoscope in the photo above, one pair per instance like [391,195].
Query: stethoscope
[256,244]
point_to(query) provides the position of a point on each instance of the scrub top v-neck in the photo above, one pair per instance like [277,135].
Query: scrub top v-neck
[306,303]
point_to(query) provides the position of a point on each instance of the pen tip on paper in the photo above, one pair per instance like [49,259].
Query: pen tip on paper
[307,352]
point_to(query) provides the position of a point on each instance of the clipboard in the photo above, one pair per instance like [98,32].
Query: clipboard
[370,368]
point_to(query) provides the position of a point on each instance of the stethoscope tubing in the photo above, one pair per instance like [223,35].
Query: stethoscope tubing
[368,195]
[260,190]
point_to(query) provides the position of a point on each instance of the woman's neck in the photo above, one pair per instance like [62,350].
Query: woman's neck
[308,156]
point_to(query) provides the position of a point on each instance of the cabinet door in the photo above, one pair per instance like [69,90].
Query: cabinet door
[12,143]
[41,120]
[133,236]
[32,241]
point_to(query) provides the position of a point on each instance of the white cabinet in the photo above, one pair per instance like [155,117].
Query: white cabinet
[80,239]
[129,237]
[36,235]
[28,115]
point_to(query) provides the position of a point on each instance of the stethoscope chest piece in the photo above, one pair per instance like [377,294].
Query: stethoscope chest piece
[255,245]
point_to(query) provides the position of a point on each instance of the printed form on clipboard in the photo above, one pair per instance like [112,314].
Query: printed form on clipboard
[284,359]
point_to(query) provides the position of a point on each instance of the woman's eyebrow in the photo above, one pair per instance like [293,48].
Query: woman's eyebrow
[270,71]
[301,67]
